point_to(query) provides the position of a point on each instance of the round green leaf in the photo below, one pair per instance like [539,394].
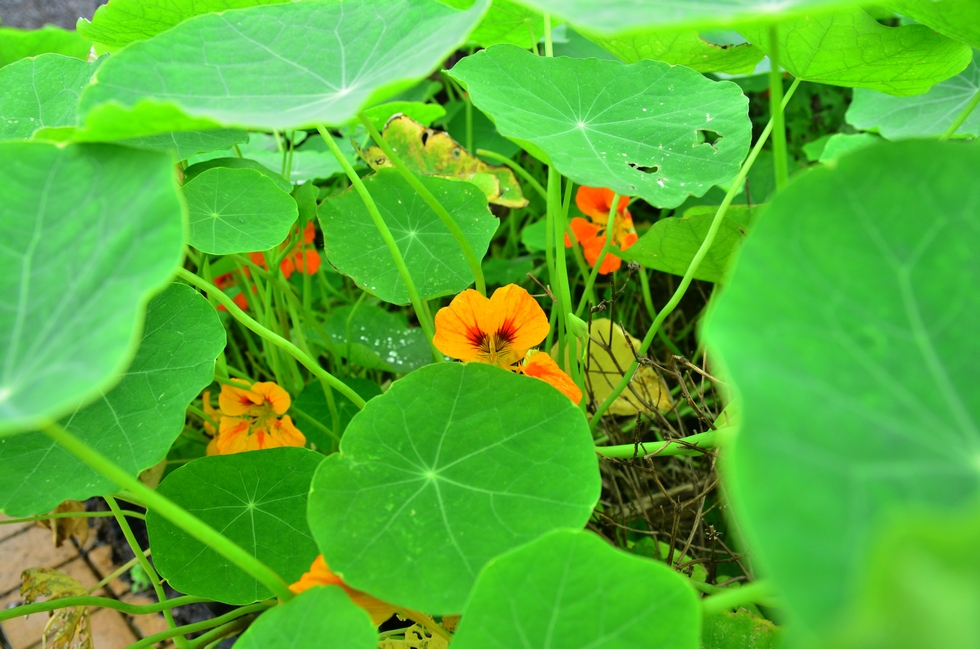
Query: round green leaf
[850,48]
[134,423]
[848,329]
[237,210]
[632,128]
[283,66]
[437,265]
[16,44]
[572,589]
[199,168]
[959,19]
[258,500]
[453,465]
[682,47]
[311,618]
[928,115]
[41,91]
[88,234]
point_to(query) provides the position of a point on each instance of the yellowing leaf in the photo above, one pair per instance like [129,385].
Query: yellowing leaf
[62,528]
[416,637]
[434,153]
[68,627]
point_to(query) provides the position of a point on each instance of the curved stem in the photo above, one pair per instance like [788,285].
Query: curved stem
[431,201]
[691,445]
[730,598]
[779,155]
[962,117]
[560,281]
[692,267]
[44,517]
[272,337]
[396,254]
[151,640]
[205,639]
[102,602]
[166,508]
[606,247]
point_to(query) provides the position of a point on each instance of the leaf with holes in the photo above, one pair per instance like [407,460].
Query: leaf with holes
[279,66]
[453,465]
[683,47]
[850,48]
[40,92]
[572,589]
[355,248]
[237,210]
[632,128]
[89,234]
[258,500]
[870,266]
[922,116]
[134,423]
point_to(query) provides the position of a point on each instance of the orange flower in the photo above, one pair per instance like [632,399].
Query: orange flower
[300,258]
[595,203]
[250,418]
[321,575]
[227,280]
[500,330]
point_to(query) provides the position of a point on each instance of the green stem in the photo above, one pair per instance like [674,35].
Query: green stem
[780,157]
[216,634]
[121,570]
[962,117]
[179,640]
[549,48]
[516,168]
[177,515]
[272,337]
[560,281]
[413,295]
[430,200]
[701,442]
[44,517]
[606,247]
[693,266]
[151,640]
[756,592]
[103,602]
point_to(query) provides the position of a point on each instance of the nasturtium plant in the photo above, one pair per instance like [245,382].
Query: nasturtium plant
[17,44]
[376,339]
[682,47]
[42,92]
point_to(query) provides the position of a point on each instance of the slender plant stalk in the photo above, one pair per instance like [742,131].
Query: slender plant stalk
[730,598]
[516,168]
[425,621]
[126,567]
[44,517]
[962,117]
[430,200]
[171,511]
[151,640]
[606,247]
[560,281]
[102,602]
[219,633]
[179,640]
[272,337]
[549,47]
[691,445]
[413,295]
[779,155]
[692,267]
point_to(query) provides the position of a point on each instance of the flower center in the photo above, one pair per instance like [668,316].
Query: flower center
[496,348]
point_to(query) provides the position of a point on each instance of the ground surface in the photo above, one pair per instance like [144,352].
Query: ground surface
[32,14]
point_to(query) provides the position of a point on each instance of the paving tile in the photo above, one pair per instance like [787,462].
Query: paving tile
[110,631]
[22,631]
[10,529]
[31,549]
[101,558]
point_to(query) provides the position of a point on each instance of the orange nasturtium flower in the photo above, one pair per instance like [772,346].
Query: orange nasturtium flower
[595,202]
[501,330]
[321,575]
[227,280]
[301,258]
[250,417]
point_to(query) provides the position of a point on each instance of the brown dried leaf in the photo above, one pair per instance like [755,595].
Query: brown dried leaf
[151,477]
[63,528]
[68,627]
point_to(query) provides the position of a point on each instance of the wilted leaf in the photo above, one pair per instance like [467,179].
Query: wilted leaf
[62,528]
[739,630]
[68,627]
[416,637]
[435,153]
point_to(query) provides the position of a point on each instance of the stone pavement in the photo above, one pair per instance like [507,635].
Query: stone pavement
[32,14]
[24,545]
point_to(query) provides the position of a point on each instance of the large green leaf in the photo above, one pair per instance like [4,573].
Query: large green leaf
[506,22]
[682,47]
[280,66]
[928,115]
[958,19]
[671,243]
[134,423]
[122,22]
[88,234]
[258,500]
[16,44]
[851,48]
[188,143]
[39,92]
[453,465]
[848,329]
[237,210]
[313,618]
[632,128]
[377,339]
[617,16]
[434,259]
[573,589]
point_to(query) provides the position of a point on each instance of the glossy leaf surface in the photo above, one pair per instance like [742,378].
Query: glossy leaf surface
[134,423]
[572,589]
[378,339]
[683,47]
[237,210]
[79,271]
[258,500]
[869,265]
[434,260]
[632,128]
[453,465]
[39,92]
